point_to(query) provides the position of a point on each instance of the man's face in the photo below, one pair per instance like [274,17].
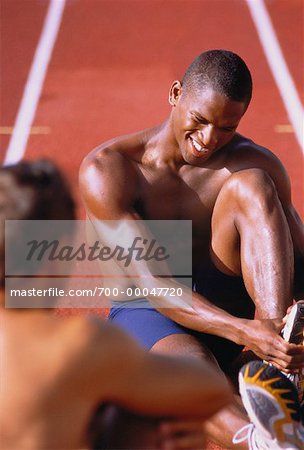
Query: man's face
[204,122]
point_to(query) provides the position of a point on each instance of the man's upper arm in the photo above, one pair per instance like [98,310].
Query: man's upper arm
[152,384]
[102,356]
[107,184]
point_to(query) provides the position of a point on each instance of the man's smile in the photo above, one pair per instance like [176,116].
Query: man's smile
[197,149]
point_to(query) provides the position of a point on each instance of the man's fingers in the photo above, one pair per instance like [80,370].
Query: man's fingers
[290,358]
[288,365]
[280,345]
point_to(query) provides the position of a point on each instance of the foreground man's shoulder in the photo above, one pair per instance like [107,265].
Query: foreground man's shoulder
[101,341]
[78,335]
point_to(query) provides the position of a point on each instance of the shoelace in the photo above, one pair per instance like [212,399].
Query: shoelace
[245,434]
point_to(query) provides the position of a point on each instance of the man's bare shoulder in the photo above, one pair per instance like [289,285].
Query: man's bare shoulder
[244,153]
[108,336]
[56,341]
[75,357]
[109,175]
[125,148]
[75,343]
[105,159]
[91,337]
[99,352]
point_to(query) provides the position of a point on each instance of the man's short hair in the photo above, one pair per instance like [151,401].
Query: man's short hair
[32,190]
[35,190]
[223,71]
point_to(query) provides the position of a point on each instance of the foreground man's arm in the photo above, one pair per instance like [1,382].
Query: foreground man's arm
[117,370]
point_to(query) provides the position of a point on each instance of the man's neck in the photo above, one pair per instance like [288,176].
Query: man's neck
[167,149]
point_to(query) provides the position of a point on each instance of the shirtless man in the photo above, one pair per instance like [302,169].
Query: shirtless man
[56,372]
[246,232]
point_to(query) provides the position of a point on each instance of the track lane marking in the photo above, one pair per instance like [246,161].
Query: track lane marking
[278,66]
[33,130]
[34,83]
[284,128]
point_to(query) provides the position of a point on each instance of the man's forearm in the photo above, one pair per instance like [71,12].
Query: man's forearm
[194,311]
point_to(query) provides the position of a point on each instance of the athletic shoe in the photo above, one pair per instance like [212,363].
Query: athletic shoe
[293,332]
[294,327]
[272,405]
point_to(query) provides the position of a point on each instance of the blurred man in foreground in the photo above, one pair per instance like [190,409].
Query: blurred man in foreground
[55,373]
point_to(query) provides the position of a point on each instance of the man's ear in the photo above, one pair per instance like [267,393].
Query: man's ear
[175,92]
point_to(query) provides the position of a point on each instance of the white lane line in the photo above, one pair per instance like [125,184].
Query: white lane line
[34,83]
[278,67]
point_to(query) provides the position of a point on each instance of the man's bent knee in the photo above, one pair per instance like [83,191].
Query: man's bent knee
[251,189]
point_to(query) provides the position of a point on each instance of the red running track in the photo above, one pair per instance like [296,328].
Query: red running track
[114,61]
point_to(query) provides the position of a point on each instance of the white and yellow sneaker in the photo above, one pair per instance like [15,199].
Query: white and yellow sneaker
[293,330]
[272,405]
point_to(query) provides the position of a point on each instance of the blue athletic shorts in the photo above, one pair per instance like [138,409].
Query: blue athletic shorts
[144,322]
[148,326]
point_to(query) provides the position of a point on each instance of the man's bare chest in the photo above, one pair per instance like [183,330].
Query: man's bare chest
[189,194]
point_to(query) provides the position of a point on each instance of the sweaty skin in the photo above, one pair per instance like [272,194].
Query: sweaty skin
[237,194]
[56,372]
[233,191]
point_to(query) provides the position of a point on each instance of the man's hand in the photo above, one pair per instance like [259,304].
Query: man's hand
[262,337]
[182,434]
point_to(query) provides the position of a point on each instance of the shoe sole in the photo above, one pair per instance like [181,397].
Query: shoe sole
[271,402]
[294,327]
[293,333]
